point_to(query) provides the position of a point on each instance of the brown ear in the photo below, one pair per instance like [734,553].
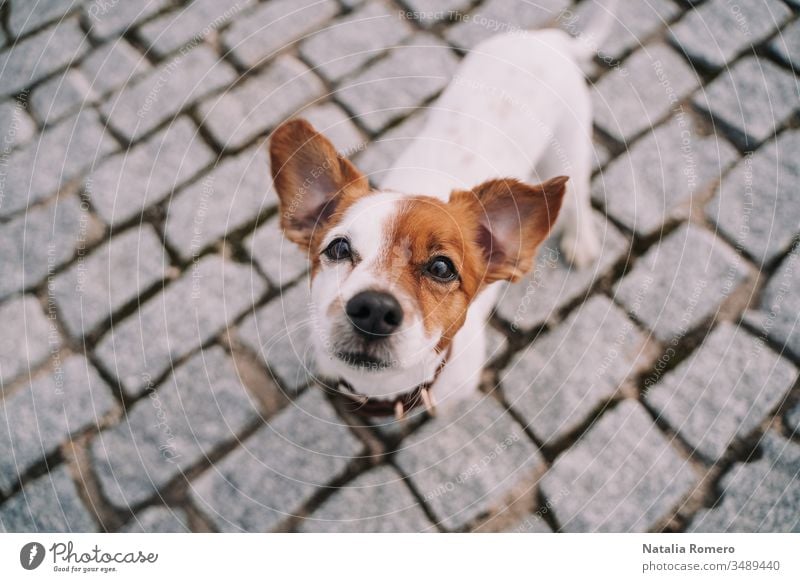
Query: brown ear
[513,220]
[310,178]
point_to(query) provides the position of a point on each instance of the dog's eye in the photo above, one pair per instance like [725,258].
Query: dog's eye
[338,250]
[441,269]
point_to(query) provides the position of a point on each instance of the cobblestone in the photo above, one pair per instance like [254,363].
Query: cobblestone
[189,25]
[431,12]
[16,126]
[280,335]
[41,240]
[39,417]
[113,65]
[61,154]
[97,286]
[238,116]
[158,520]
[335,124]
[200,407]
[622,476]
[141,106]
[27,339]
[393,86]
[760,496]
[723,391]
[48,504]
[187,314]
[755,206]
[274,27]
[637,96]
[379,154]
[131,181]
[714,33]
[793,419]
[278,469]
[663,185]
[553,283]
[349,43]
[498,16]
[34,58]
[106,20]
[555,390]
[60,96]
[26,17]
[233,194]
[680,283]
[778,309]
[736,100]
[786,45]
[377,501]
[280,260]
[467,463]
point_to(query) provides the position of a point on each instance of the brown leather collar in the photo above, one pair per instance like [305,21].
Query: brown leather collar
[398,406]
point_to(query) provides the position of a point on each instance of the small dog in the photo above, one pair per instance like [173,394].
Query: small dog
[403,277]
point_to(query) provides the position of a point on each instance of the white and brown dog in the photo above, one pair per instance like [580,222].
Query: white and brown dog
[403,277]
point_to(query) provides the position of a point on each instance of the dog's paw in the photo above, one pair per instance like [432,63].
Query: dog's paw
[581,248]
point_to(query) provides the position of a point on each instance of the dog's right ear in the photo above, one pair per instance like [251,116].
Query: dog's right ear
[311,179]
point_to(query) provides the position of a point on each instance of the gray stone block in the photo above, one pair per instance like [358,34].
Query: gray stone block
[633,24]
[281,261]
[280,333]
[335,124]
[113,65]
[431,12]
[16,126]
[380,153]
[201,406]
[465,463]
[140,107]
[107,20]
[38,418]
[792,419]
[531,524]
[186,315]
[662,176]
[637,96]
[681,282]
[553,283]
[755,206]
[158,519]
[778,309]
[42,239]
[555,389]
[377,501]
[391,88]
[349,43]
[48,504]
[278,469]
[61,154]
[28,338]
[131,181]
[28,16]
[60,96]
[714,33]
[190,24]
[235,193]
[503,16]
[786,45]
[93,288]
[622,476]
[253,108]
[723,392]
[759,496]
[275,26]
[736,100]
[41,54]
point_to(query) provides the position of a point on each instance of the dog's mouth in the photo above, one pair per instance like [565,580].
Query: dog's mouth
[364,361]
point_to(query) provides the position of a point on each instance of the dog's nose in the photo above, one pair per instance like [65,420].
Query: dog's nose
[374,314]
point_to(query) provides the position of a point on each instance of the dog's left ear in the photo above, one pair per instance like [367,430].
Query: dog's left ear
[514,218]
[311,178]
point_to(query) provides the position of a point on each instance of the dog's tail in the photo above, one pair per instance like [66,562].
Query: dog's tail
[599,19]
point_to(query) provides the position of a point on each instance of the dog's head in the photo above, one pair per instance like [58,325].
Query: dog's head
[392,276]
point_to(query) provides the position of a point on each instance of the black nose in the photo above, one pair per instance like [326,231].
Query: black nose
[374,314]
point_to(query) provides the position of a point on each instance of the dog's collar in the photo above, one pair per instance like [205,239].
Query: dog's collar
[397,406]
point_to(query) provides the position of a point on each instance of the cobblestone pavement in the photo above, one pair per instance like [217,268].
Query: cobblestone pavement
[153,354]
